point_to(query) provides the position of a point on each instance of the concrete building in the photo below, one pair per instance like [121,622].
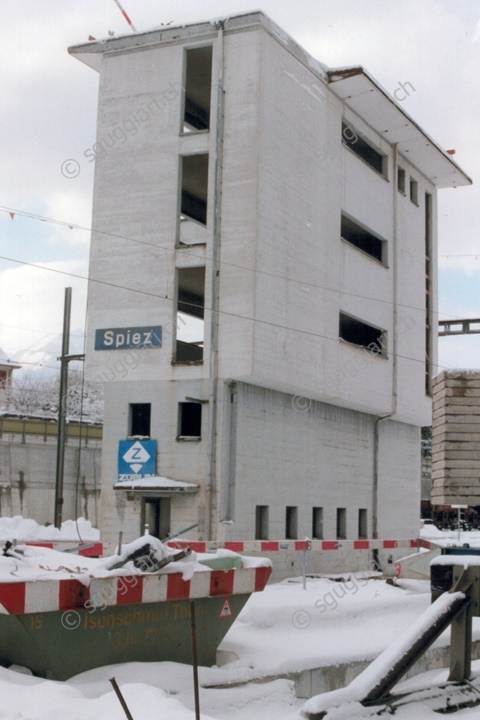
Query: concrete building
[262,230]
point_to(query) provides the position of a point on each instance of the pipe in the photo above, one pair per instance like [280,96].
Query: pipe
[210,485]
[393,411]
[62,408]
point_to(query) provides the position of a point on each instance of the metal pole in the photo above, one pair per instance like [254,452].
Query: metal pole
[62,408]
[195,660]
[118,693]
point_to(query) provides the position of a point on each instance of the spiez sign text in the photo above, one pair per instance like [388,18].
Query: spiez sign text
[141,338]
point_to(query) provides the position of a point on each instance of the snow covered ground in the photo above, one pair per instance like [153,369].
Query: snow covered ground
[25,529]
[283,629]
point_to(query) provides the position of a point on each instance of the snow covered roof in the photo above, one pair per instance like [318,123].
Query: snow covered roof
[6,362]
[157,483]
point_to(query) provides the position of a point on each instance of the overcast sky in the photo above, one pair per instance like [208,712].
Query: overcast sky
[48,116]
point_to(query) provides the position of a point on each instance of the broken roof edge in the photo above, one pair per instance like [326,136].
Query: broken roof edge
[343,73]
[91,52]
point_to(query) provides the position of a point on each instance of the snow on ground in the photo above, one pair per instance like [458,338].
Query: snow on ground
[450,537]
[281,630]
[23,529]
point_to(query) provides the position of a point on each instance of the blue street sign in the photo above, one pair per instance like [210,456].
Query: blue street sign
[140,338]
[136,459]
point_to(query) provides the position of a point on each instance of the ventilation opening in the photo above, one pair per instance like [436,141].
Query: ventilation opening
[189,420]
[363,239]
[366,336]
[364,150]
[317,523]
[198,89]
[140,419]
[362,523]
[261,522]
[413,191]
[190,315]
[401,181]
[341,523]
[291,529]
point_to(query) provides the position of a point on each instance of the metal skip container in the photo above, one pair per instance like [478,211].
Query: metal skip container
[61,614]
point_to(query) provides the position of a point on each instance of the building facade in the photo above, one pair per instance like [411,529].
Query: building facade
[262,299]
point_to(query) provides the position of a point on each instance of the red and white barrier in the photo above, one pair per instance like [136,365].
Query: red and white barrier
[263,546]
[52,595]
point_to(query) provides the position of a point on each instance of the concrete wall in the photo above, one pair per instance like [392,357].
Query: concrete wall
[27,479]
[456,439]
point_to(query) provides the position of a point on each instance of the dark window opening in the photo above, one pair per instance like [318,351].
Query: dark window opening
[140,419]
[291,523]
[3,378]
[341,523]
[190,315]
[317,523]
[189,419]
[156,517]
[194,188]
[261,522]
[198,89]
[414,191]
[362,523]
[359,333]
[401,181]
[364,150]
[362,239]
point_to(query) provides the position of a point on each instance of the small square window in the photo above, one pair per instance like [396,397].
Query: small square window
[291,516]
[140,419]
[189,420]
[317,523]
[341,523]
[261,522]
[362,523]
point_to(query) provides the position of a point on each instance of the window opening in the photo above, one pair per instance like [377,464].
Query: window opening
[401,181]
[317,523]
[291,523]
[198,89]
[359,333]
[341,523]
[362,523]
[190,314]
[189,419]
[194,194]
[261,522]
[364,150]
[140,419]
[414,191]
[362,238]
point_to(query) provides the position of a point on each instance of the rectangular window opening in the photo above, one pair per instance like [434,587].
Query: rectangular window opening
[362,523]
[414,191]
[341,523]
[317,523]
[291,529]
[261,522]
[190,312]
[364,150]
[198,89]
[363,239]
[139,420]
[401,181]
[193,203]
[189,420]
[359,333]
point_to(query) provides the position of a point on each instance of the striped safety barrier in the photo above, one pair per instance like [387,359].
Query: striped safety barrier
[268,546]
[86,549]
[49,595]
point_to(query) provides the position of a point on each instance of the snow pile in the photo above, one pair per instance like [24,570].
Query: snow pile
[23,529]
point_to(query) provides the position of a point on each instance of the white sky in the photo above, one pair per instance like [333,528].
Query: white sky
[48,116]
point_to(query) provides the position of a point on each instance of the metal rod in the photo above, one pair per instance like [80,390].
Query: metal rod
[120,538]
[195,660]
[118,693]
[62,408]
